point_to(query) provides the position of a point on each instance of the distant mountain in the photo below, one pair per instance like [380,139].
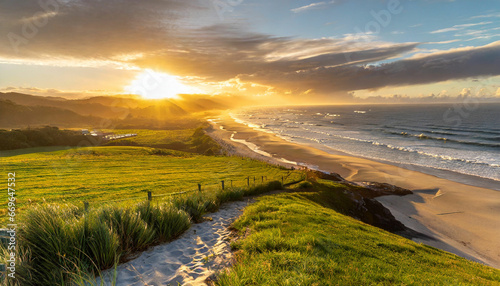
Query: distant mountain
[193,104]
[20,110]
[13,115]
[101,106]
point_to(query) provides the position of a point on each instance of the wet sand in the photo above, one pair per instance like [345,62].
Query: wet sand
[460,218]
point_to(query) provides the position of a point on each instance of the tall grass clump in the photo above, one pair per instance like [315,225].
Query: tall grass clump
[99,244]
[61,240]
[195,205]
[53,242]
[167,221]
[229,195]
[261,189]
[134,233]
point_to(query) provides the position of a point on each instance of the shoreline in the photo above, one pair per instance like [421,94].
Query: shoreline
[458,218]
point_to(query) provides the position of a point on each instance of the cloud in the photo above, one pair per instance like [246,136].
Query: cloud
[89,29]
[437,67]
[459,27]
[442,42]
[308,7]
[491,15]
[152,34]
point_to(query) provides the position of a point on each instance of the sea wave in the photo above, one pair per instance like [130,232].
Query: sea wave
[389,146]
[423,136]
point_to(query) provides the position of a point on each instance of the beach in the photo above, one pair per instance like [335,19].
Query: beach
[456,217]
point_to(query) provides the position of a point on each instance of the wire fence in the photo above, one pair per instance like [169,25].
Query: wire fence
[207,187]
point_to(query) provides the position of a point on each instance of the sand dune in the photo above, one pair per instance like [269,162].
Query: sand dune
[189,260]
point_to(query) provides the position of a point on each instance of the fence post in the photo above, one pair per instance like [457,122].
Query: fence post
[262,179]
[199,187]
[150,197]
[86,206]
[222,184]
[248,181]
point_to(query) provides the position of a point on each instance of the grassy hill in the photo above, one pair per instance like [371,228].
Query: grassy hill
[104,174]
[295,239]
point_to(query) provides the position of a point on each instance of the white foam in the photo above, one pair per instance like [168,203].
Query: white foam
[250,145]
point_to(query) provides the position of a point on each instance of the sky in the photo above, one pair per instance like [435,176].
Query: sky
[282,50]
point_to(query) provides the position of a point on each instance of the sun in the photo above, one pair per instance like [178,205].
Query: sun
[151,84]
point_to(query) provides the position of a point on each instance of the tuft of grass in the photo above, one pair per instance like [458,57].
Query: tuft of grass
[261,189]
[305,185]
[167,221]
[195,205]
[230,195]
[133,232]
[52,236]
[99,244]
[294,240]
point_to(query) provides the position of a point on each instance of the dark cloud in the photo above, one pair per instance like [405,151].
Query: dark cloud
[89,28]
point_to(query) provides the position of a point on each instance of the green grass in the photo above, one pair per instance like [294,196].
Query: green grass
[63,245]
[293,240]
[104,174]
[154,137]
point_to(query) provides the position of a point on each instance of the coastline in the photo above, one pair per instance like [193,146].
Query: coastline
[458,218]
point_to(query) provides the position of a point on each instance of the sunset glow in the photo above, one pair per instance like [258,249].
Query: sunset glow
[151,84]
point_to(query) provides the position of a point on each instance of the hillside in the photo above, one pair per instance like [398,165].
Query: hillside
[22,110]
[13,115]
[105,174]
[296,238]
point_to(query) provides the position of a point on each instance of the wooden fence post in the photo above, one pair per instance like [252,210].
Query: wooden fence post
[248,181]
[150,197]
[86,206]
[222,184]
[199,187]
[262,179]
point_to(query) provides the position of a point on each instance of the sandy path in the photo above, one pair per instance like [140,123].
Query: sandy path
[463,219]
[188,260]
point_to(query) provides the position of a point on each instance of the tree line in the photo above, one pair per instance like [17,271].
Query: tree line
[40,137]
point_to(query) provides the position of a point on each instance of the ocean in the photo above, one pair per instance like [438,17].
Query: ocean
[445,139]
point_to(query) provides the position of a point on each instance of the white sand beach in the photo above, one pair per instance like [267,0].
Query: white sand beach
[461,219]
